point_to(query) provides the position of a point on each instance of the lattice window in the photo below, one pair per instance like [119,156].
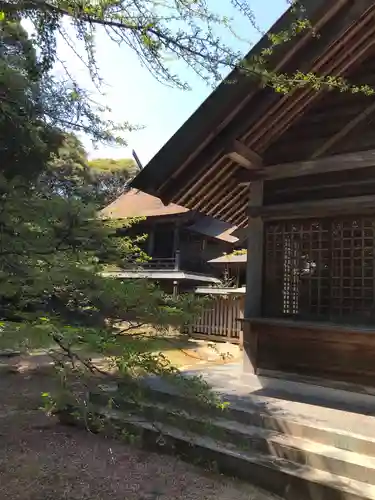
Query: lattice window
[321,269]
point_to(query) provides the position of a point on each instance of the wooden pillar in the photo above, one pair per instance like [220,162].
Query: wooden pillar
[177,260]
[151,242]
[176,238]
[254,273]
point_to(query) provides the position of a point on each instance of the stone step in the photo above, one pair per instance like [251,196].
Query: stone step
[230,379]
[258,439]
[340,429]
[292,481]
[301,451]
[297,425]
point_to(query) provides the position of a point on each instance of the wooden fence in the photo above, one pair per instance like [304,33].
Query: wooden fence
[219,322]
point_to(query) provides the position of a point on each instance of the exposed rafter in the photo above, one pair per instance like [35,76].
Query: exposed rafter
[344,131]
[197,199]
[237,207]
[244,156]
[221,200]
[335,61]
[237,196]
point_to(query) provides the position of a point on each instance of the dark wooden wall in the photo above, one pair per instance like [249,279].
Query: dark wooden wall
[192,245]
[333,353]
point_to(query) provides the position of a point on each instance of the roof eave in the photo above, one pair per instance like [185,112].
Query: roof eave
[215,111]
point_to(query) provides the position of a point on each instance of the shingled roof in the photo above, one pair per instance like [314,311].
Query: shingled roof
[135,203]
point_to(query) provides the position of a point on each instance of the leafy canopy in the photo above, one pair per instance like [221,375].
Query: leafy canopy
[70,174]
[193,32]
[54,248]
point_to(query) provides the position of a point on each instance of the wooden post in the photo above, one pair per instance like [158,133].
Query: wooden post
[177,262]
[176,238]
[254,272]
[151,242]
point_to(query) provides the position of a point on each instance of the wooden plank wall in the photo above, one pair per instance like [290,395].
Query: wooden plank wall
[220,320]
[334,354]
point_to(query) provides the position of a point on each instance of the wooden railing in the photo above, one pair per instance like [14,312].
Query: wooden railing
[162,263]
[177,262]
[220,321]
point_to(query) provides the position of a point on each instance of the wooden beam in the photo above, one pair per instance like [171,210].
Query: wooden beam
[151,241]
[207,190]
[322,180]
[335,163]
[237,208]
[336,206]
[344,131]
[220,199]
[254,278]
[321,191]
[238,215]
[244,176]
[244,156]
[222,212]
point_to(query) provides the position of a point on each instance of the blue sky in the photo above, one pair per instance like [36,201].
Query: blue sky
[134,95]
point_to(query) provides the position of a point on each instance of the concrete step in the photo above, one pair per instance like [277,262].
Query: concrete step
[340,429]
[257,439]
[292,481]
[230,380]
[325,432]
[301,451]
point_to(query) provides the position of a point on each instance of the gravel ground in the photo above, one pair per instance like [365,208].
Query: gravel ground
[41,460]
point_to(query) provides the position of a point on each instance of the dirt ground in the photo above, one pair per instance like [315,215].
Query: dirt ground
[42,460]
[182,352]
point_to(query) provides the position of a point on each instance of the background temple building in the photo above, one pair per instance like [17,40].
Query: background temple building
[189,252]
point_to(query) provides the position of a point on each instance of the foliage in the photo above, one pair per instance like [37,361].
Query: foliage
[111,177]
[112,165]
[191,31]
[53,291]
[71,175]
[53,247]
[24,130]
[240,251]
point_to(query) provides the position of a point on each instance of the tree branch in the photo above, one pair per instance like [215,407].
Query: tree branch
[168,41]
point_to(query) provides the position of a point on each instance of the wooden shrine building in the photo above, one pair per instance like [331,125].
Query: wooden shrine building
[188,252]
[297,171]
[179,242]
